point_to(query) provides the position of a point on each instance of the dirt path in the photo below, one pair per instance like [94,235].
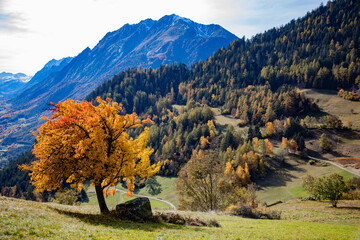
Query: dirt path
[154,198]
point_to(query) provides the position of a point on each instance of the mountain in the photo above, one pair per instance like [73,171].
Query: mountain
[147,44]
[51,67]
[319,50]
[12,84]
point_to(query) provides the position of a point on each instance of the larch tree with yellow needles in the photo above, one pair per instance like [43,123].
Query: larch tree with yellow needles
[82,142]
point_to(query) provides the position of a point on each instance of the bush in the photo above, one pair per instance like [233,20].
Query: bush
[244,210]
[312,162]
[352,96]
[67,197]
[153,186]
[324,142]
[175,218]
[270,214]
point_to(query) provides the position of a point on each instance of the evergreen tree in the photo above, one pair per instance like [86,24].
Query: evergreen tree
[250,134]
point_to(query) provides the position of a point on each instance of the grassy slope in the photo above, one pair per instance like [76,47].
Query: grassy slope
[285,183]
[329,102]
[168,193]
[25,219]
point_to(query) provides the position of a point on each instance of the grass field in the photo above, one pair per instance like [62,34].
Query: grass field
[25,219]
[331,103]
[168,193]
[284,184]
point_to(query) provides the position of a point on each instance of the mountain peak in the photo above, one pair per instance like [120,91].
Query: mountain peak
[174,18]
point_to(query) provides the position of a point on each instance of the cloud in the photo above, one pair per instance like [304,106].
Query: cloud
[249,17]
[9,21]
[33,32]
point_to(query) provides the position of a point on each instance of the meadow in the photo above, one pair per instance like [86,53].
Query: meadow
[306,220]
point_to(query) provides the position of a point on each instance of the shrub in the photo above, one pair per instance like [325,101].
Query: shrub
[324,142]
[352,96]
[153,186]
[175,218]
[270,214]
[67,197]
[244,210]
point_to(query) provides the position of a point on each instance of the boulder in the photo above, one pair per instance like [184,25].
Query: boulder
[136,209]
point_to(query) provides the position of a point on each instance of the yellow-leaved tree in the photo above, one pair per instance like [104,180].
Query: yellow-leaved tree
[82,142]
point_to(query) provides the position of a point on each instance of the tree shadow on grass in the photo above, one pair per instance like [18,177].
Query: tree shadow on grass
[111,220]
[350,208]
[280,176]
[350,134]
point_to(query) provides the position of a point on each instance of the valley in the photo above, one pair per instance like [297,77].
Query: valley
[260,136]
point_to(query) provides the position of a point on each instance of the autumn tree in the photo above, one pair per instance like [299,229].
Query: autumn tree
[198,182]
[285,144]
[270,128]
[82,142]
[212,129]
[204,143]
[293,145]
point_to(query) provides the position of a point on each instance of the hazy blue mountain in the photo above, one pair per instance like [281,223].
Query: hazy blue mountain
[11,84]
[51,67]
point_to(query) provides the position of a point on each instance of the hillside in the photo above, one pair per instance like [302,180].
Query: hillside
[147,44]
[330,102]
[25,219]
[252,82]
[318,50]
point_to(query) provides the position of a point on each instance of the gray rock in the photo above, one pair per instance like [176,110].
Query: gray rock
[136,209]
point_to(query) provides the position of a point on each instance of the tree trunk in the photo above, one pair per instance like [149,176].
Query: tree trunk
[101,199]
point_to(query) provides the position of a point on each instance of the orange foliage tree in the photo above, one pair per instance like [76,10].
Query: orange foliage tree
[82,142]
[270,128]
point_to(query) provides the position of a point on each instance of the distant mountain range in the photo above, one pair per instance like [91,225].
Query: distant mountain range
[12,84]
[147,44]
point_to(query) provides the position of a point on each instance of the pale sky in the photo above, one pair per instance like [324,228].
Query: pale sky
[32,32]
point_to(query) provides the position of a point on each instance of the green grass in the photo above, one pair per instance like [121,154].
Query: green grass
[168,193]
[33,220]
[347,212]
[345,174]
[285,183]
[299,191]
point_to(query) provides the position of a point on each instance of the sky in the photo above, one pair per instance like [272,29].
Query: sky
[32,32]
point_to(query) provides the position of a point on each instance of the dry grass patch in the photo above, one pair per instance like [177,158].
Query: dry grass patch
[331,103]
[352,161]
